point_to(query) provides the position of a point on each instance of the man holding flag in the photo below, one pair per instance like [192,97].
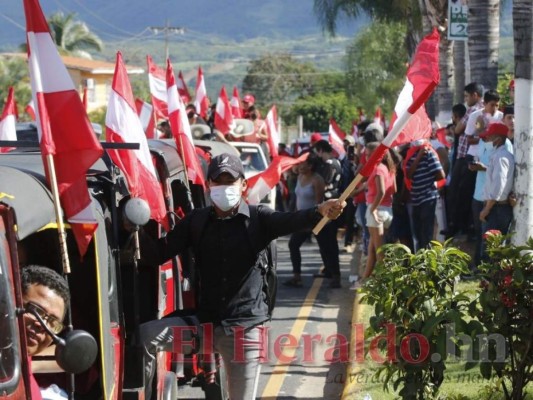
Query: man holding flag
[228,239]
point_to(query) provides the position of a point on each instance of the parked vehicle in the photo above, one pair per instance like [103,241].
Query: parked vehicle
[254,162]
[111,294]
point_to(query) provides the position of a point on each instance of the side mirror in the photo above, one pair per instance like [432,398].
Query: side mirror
[76,351]
[137,211]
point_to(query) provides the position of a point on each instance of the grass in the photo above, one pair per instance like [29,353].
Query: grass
[458,384]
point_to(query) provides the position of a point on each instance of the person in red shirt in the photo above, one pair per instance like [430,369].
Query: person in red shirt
[381,186]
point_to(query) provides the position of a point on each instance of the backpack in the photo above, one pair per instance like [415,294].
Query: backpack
[266,259]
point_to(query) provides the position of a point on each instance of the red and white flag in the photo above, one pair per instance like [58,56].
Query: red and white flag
[409,121]
[271,122]
[223,117]
[145,111]
[355,130]
[261,184]
[8,129]
[336,137]
[158,88]
[235,102]
[30,110]
[379,118]
[201,101]
[64,129]
[183,91]
[181,130]
[124,126]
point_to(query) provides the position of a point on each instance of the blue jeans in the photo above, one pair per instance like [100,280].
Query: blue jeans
[499,218]
[360,218]
[423,223]
[477,206]
[242,356]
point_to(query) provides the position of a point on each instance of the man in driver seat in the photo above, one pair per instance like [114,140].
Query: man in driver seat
[45,293]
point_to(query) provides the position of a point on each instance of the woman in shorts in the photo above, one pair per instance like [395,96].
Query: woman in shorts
[381,186]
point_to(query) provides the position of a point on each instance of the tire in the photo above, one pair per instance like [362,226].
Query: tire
[170,387]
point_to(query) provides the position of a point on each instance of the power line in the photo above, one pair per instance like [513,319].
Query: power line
[167,30]
[13,21]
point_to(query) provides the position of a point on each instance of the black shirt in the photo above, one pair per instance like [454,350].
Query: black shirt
[230,283]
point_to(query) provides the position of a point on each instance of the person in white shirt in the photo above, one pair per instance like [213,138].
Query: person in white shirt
[480,120]
[497,212]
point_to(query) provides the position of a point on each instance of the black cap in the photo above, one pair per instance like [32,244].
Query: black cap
[225,163]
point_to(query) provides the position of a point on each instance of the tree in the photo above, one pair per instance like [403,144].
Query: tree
[14,72]
[72,37]
[279,78]
[316,111]
[484,41]
[376,63]
[523,45]
[407,12]
[419,17]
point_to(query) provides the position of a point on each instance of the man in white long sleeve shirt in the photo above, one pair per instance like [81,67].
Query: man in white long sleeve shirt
[497,212]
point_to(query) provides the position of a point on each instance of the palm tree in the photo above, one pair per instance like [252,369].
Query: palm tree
[459,48]
[523,42]
[420,16]
[483,41]
[72,36]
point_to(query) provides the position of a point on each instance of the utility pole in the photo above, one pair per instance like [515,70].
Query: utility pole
[167,30]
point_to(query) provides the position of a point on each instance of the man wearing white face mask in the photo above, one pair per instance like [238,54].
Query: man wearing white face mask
[227,239]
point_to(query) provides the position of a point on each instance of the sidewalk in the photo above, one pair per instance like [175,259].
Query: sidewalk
[352,389]
[353,368]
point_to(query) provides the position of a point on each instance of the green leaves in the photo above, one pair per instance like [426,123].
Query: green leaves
[416,293]
[504,310]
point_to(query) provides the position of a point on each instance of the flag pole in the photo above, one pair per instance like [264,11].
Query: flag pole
[374,159]
[182,155]
[59,217]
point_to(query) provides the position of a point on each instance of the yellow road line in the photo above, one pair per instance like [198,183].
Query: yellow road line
[352,368]
[277,375]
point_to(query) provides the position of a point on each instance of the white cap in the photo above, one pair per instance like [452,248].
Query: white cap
[376,126]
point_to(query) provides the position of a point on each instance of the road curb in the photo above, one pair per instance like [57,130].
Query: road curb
[352,367]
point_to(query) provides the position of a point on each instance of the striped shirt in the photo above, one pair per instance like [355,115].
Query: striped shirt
[462,147]
[424,188]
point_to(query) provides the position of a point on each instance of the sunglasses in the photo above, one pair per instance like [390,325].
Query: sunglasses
[52,322]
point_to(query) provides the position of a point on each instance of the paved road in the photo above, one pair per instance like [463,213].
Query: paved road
[314,316]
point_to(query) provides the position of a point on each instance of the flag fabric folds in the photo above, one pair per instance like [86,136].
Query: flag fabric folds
[271,122]
[183,91]
[223,116]
[201,101]
[235,102]
[181,130]
[8,129]
[158,88]
[336,136]
[409,121]
[145,111]
[64,129]
[261,184]
[30,110]
[124,126]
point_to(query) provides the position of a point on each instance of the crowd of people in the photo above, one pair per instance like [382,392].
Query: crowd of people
[456,183]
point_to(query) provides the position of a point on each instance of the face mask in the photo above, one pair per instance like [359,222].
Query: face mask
[253,117]
[190,115]
[225,197]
